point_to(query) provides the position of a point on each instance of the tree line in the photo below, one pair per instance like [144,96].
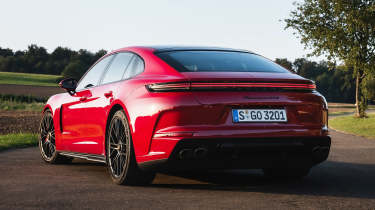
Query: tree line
[36,59]
[336,83]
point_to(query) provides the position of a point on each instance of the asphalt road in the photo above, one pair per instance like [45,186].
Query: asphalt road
[345,181]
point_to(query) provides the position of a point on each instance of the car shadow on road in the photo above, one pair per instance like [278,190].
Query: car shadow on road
[329,179]
[339,179]
[79,162]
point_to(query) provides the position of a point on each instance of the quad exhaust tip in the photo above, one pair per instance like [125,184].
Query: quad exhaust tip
[185,154]
[320,153]
[197,153]
[200,152]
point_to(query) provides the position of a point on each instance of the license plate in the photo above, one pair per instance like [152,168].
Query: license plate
[259,115]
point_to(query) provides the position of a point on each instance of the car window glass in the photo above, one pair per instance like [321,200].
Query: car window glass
[117,68]
[135,67]
[92,77]
[219,61]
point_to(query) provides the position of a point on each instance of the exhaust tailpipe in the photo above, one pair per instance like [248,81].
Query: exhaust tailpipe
[200,152]
[185,154]
[320,153]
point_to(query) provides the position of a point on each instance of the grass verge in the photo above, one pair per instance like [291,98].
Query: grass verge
[333,114]
[358,126]
[337,109]
[28,79]
[13,105]
[24,103]
[18,140]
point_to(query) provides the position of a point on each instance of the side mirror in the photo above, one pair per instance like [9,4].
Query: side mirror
[69,85]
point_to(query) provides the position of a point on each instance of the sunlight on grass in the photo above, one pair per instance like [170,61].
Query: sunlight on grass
[17,140]
[359,126]
[14,105]
[28,79]
[332,114]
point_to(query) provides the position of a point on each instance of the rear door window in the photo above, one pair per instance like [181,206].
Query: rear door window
[135,67]
[117,68]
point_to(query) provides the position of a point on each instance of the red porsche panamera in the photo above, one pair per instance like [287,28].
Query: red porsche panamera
[140,109]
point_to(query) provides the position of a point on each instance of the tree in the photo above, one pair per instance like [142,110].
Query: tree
[36,57]
[343,30]
[334,82]
[59,59]
[310,69]
[6,52]
[284,63]
[370,88]
[99,54]
[74,70]
[37,60]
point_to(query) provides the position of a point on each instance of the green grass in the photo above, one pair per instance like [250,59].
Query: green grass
[13,105]
[337,109]
[358,126]
[28,79]
[333,114]
[23,103]
[18,140]
[22,98]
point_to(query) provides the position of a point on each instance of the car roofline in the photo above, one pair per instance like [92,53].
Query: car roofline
[160,49]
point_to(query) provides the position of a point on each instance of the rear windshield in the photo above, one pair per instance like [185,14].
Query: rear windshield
[219,61]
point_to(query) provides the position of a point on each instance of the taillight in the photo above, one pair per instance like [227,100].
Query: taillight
[160,87]
[252,85]
[325,119]
[181,86]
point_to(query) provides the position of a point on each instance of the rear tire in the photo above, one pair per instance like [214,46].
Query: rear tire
[286,173]
[120,157]
[47,143]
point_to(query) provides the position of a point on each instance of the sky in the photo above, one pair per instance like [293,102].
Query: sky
[254,25]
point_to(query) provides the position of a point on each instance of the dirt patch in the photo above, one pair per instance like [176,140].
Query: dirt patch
[38,91]
[19,121]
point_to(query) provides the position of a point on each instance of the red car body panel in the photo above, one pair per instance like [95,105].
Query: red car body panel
[159,120]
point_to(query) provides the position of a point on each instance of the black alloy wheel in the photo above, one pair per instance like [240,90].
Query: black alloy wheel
[47,141]
[120,157]
[47,137]
[118,147]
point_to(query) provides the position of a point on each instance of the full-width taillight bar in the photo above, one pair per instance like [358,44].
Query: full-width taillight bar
[181,86]
[169,86]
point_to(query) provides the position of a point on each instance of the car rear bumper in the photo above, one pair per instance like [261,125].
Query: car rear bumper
[244,153]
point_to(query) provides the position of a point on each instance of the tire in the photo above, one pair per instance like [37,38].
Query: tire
[47,143]
[286,173]
[120,156]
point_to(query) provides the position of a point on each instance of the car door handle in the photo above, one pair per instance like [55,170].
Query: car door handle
[108,94]
[83,98]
